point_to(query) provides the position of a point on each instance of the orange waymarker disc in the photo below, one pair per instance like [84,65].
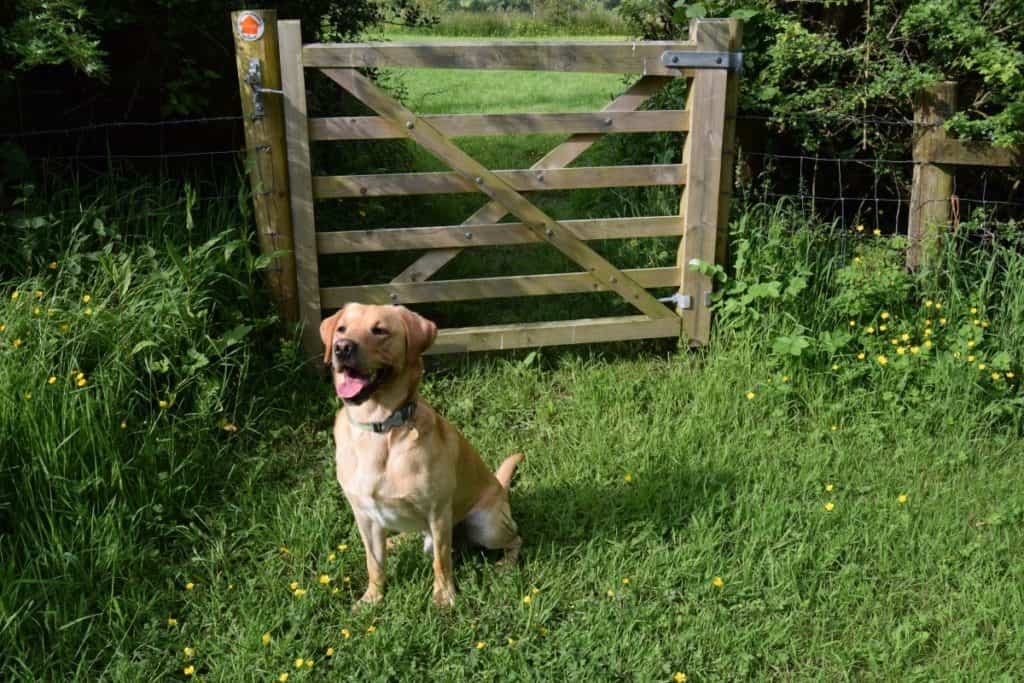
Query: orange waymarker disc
[250,26]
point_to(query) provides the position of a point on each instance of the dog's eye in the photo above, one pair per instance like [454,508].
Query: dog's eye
[341,328]
[379,331]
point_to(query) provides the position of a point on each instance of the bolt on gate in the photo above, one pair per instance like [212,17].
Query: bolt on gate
[710,58]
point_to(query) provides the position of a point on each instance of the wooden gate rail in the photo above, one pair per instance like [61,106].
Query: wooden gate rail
[705,174]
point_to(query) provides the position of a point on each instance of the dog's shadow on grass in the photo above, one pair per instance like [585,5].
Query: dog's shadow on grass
[652,503]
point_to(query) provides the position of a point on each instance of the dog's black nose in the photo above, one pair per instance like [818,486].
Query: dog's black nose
[344,349]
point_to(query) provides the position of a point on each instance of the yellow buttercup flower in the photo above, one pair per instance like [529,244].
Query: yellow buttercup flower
[751,395]
[265,638]
[973,310]
[163,404]
[329,652]
[829,506]
[299,592]
[189,670]
[860,228]
[81,382]
[610,593]
[942,321]
[124,424]
[481,645]
[901,350]
[915,349]
[527,599]
[860,356]
[835,428]
[189,652]
[331,557]
[1010,375]
[970,343]
[853,323]
[345,633]
[785,378]
[86,299]
[189,586]
[929,303]
[679,677]
[876,232]
[938,306]
[717,582]
[37,311]
[16,343]
[28,395]
[65,327]
[14,296]
[39,294]
[928,343]
[283,677]
[299,662]
[885,315]
[834,367]
[309,663]
[324,579]
[996,376]
[905,337]
[883,328]
[982,366]
[52,265]
[902,499]
[829,487]
[88,310]
[625,581]
[371,628]
[342,547]
[970,359]
[511,642]
[882,360]
[870,330]
[171,621]
[52,380]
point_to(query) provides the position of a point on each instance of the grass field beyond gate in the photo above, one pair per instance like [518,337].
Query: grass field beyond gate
[736,513]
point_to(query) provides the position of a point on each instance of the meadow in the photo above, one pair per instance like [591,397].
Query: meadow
[829,491]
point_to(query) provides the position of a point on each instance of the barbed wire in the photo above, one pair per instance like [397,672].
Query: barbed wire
[170,155]
[848,118]
[118,124]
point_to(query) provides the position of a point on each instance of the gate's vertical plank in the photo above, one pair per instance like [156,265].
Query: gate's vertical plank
[732,93]
[702,154]
[293,81]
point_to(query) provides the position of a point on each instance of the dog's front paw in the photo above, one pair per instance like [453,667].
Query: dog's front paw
[444,597]
[372,596]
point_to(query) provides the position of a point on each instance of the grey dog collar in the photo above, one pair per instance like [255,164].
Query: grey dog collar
[396,419]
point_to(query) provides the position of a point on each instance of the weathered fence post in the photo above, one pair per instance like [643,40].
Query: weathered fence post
[709,158]
[932,183]
[256,56]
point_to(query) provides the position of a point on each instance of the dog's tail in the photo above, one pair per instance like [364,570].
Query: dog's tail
[507,468]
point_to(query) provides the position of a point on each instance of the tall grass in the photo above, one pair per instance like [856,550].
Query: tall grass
[133,347]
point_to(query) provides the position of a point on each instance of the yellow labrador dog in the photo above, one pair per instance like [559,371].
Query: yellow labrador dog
[402,466]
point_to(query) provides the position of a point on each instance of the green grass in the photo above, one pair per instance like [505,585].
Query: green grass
[644,462]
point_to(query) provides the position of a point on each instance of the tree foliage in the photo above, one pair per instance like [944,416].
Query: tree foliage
[851,61]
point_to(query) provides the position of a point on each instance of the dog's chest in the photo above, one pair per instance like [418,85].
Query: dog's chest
[385,487]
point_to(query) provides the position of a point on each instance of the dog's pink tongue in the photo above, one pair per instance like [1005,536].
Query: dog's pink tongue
[350,385]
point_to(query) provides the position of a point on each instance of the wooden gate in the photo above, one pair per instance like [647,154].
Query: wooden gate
[709,58]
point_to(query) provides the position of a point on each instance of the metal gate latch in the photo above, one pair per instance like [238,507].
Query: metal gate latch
[254,79]
[679,59]
[681,301]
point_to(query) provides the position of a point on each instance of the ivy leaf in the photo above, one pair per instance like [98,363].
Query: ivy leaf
[743,14]
[696,11]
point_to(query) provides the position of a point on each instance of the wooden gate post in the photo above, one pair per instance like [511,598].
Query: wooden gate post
[256,57]
[932,183]
[709,160]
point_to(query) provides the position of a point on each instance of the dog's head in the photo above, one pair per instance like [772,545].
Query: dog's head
[369,346]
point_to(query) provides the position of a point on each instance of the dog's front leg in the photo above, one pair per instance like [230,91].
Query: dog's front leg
[441,535]
[375,543]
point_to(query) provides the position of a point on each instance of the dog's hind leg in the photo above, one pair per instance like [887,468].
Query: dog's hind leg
[492,527]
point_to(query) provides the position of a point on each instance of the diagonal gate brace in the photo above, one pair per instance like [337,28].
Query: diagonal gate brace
[560,157]
[499,191]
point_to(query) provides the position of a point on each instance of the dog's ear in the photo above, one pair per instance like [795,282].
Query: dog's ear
[419,332]
[327,328]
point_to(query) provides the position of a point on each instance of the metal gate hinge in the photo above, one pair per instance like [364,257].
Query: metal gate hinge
[732,61]
[682,301]
[254,79]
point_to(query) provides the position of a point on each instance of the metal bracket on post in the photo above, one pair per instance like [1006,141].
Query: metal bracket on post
[683,301]
[254,79]
[732,61]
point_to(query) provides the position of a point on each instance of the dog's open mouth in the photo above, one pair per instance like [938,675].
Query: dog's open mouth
[353,385]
